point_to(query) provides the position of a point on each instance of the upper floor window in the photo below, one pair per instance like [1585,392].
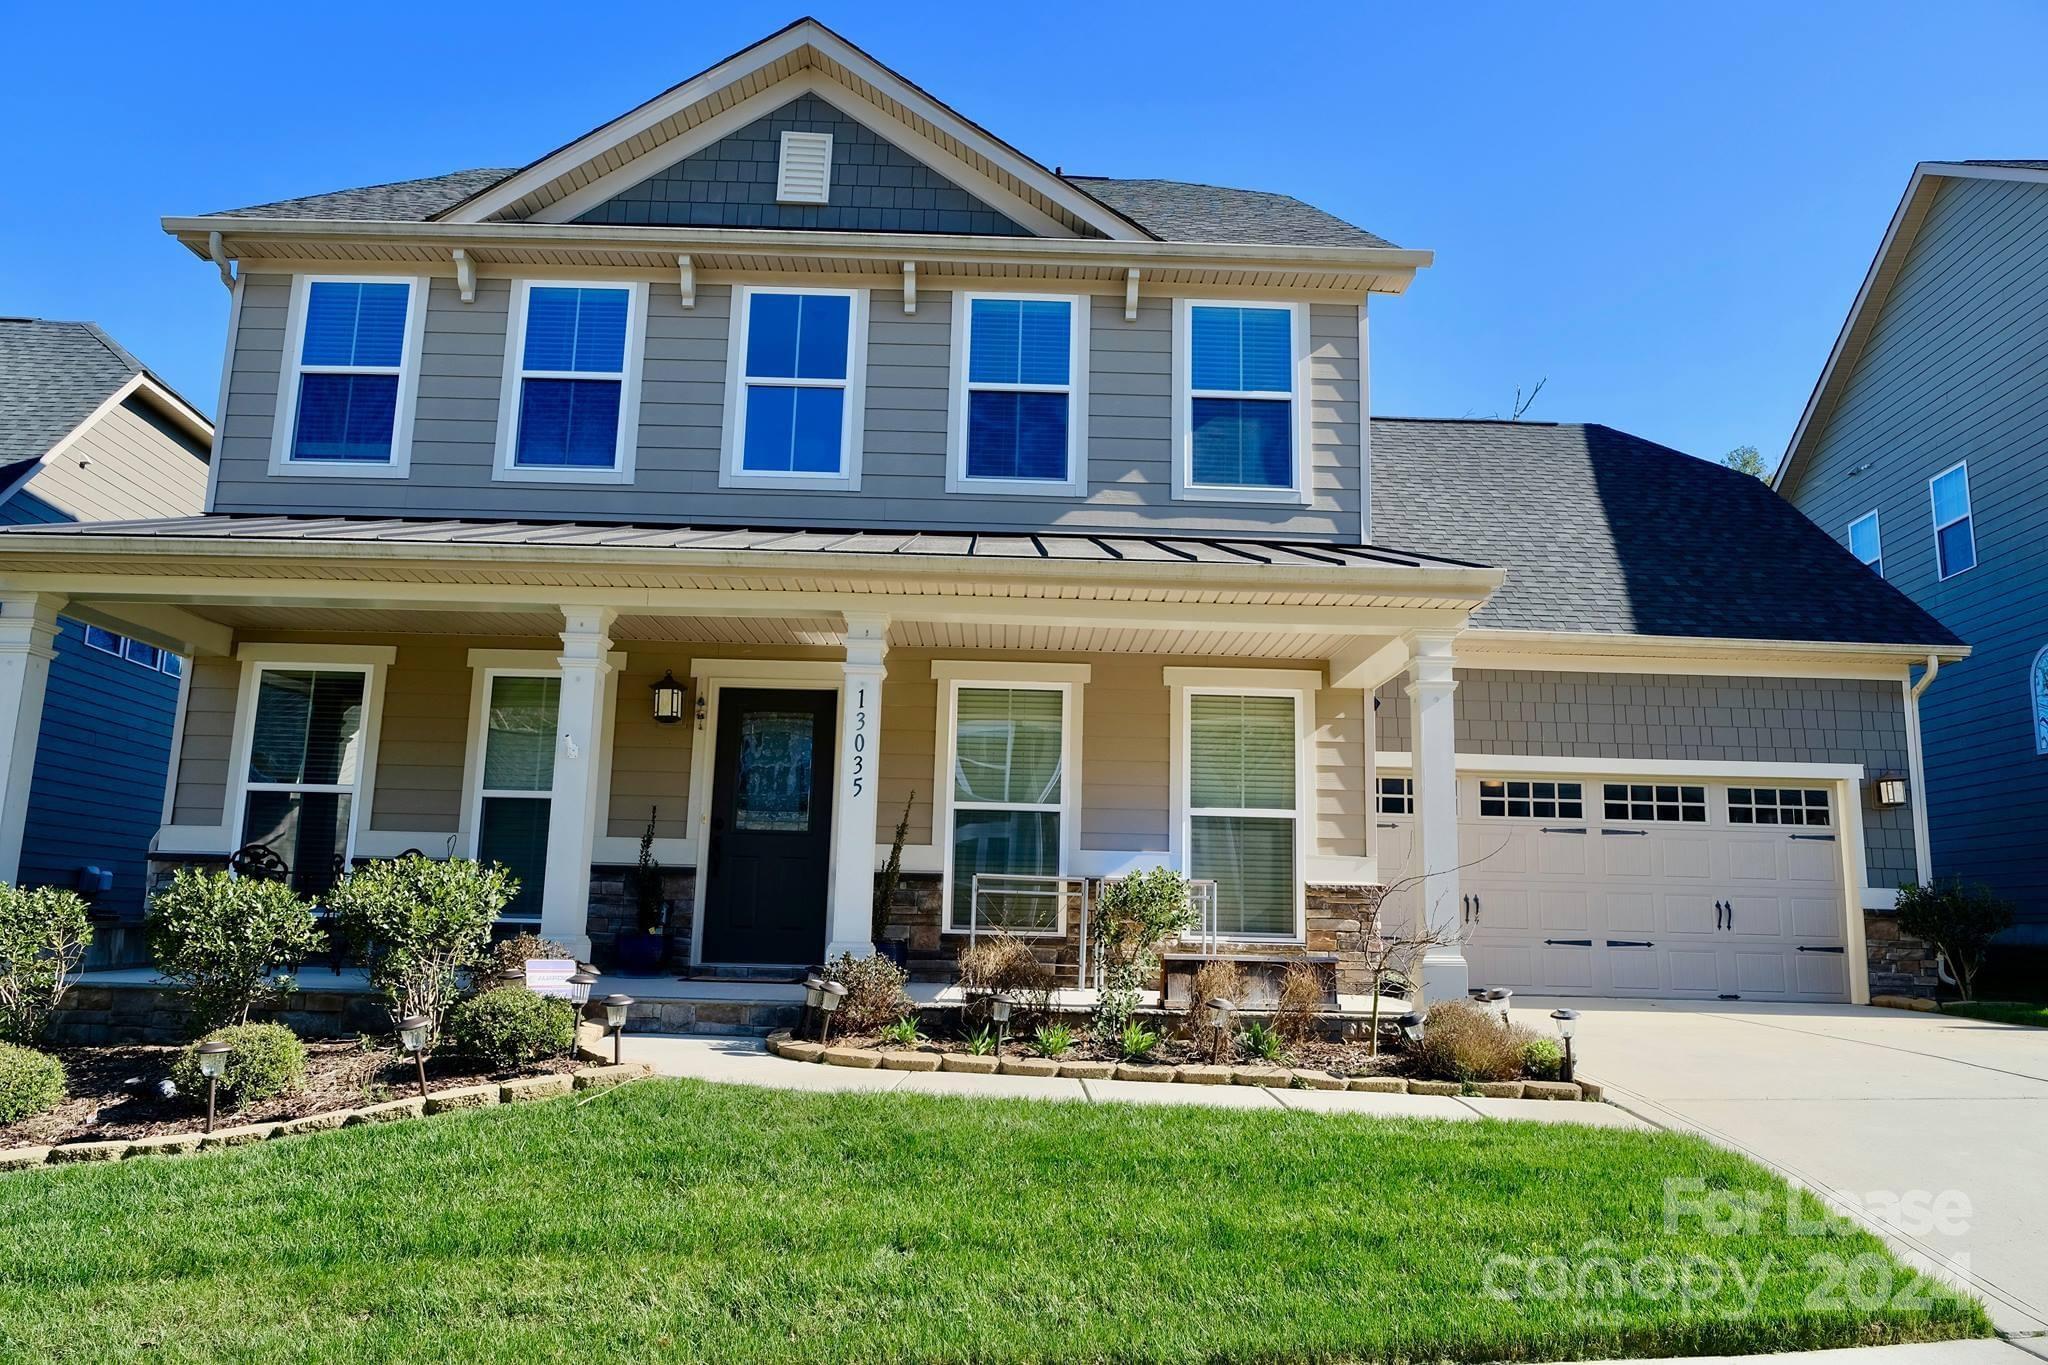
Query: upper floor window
[1019,395]
[795,383]
[1955,541]
[1866,543]
[2037,696]
[1239,422]
[346,402]
[570,409]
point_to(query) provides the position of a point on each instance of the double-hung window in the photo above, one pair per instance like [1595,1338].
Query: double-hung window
[1955,541]
[516,779]
[346,406]
[794,387]
[1020,394]
[1244,828]
[571,404]
[1866,542]
[1239,419]
[304,769]
[1008,805]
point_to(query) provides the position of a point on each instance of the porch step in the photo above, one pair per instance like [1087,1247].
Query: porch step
[726,1018]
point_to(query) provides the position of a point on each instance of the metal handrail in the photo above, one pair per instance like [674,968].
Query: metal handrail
[1201,894]
[1023,884]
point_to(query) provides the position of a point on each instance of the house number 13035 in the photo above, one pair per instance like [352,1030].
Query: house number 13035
[857,742]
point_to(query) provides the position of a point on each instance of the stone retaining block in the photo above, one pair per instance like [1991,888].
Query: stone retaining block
[163,1144]
[1378,1085]
[1202,1075]
[604,1077]
[1088,1071]
[904,1060]
[1435,1088]
[535,1088]
[22,1157]
[969,1063]
[1498,1090]
[239,1136]
[858,1058]
[312,1123]
[68,1152]
[391,1111]
[1140,1071]
[1272,1077]
[1317,1080]
[1030,1066]
[462,1097]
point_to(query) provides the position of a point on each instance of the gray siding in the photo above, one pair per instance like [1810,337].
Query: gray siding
[1956,367]
[875,186]
[1649,716]
[682,414]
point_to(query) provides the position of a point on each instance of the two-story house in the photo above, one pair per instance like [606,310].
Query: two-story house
[88,433]
[791,452]
[1924,450]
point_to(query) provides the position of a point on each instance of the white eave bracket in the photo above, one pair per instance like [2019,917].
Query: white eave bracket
[910,286]
[217,250]
[465,275]
[686,281]
[1131,294]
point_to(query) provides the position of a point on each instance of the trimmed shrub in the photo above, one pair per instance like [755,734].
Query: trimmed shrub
[219,937]
[31,1083]
[1542,1059]
[1468,1043]
[512,1027]
[428,923]
[1959,920]
[43,933]
[874,992]
[268,1061]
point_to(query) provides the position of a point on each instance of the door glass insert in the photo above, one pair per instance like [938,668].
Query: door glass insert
[774,794]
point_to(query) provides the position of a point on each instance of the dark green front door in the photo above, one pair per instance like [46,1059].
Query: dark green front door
[768,865]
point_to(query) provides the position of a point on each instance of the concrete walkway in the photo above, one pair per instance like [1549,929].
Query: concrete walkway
[743,1061]
[1866,1106]
[1987,1351]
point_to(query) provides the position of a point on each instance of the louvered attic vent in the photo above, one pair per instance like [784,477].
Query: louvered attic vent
[804,175]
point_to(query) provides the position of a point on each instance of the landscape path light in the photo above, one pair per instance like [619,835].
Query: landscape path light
[828,1004]
[513,975]
[1567,1024]
[615,1007]
[814,990]
[579,983]
[1501,999]
[213,1064]
[1220,1011]
[999,1010]
[1411,1027]
[413,1033]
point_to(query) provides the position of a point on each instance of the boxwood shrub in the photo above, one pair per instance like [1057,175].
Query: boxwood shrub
[512,1027]
[31,1083]
[268,1061]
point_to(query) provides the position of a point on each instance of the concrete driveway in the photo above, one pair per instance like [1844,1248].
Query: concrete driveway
[1865,1104]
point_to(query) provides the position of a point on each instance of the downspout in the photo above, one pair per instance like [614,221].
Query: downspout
[217,250]
[1916,763]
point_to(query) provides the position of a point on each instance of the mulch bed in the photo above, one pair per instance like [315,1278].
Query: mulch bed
[113,1091]
[1339,1058]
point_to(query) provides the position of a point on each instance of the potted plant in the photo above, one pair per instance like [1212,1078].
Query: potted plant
[897,950]
[641,948]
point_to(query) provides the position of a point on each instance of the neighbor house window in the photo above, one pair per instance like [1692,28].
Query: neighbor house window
[134,651]
[2037,700]
[347,400]
[1009,789]
[1955,542]
[1397,796]
[1244,817]
[1654,802]
[1240,421]
[571,404]
[1019,423]
[305,766]
[1511,798]
[516,781]
[1865,542]
[1777,806]
[795,367]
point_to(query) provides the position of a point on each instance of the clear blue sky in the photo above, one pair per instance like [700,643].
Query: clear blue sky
[1663,210]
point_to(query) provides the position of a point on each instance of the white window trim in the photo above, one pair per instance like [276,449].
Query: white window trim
[1065,679]
[1076,389]
[626,440]
[1185,489]
[852,417]
[1877,530]
[473,789]
[1300,684]
[1969,515]
[373,662]
[408,372]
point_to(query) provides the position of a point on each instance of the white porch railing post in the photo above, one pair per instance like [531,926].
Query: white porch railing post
[572,818]
[1431,687]
[28,633]
[849,915]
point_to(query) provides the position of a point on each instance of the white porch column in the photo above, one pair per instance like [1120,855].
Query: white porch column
[849,917]
[572,820]
[1431,687]
[28,633]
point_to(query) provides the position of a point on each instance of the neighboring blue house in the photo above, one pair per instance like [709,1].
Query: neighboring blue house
[1924,449]
[88,434]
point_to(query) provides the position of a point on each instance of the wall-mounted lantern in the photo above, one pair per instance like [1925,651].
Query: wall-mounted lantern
[1891,791]
[668,699]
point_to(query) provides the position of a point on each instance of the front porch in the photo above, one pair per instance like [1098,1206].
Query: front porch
[1042,707]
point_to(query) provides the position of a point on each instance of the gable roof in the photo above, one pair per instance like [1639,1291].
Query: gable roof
[1875,290]
[54,375]
[1602,532]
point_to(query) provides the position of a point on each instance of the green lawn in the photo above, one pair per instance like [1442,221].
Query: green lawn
[680,1220]
[2000,1011]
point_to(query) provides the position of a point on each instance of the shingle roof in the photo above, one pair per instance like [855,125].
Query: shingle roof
[1605,532]
[52,376]
[1170,209]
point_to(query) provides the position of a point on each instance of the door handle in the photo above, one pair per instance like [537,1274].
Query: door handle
[1731,916]
[1477,906]
[1466,914]
[1564,829]
[1567,942]
[1719,910]
[1629,943]
[1636,833]
[1390,824]
[1816,838]
[1809,948]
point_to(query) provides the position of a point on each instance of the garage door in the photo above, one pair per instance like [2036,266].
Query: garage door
[1627,886]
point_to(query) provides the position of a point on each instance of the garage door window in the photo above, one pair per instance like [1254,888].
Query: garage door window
[1397,796]
[1778,806]
[1517,800]
[1655,803]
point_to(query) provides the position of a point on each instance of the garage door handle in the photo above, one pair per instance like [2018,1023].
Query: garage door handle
[1564,829]
[1809,948]
[1719,911]
[1639,832]
[1816,838]
[1567,942]
[1476,907]
[1389,824]
[1629,943]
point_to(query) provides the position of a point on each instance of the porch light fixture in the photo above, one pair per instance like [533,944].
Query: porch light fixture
[1891,791]
[668,699]
[1220,1012]
[829,997]
[213,1064]
[1411,1027]
[814,990]
[615,1007]
[413,1032]
[1567,1023]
